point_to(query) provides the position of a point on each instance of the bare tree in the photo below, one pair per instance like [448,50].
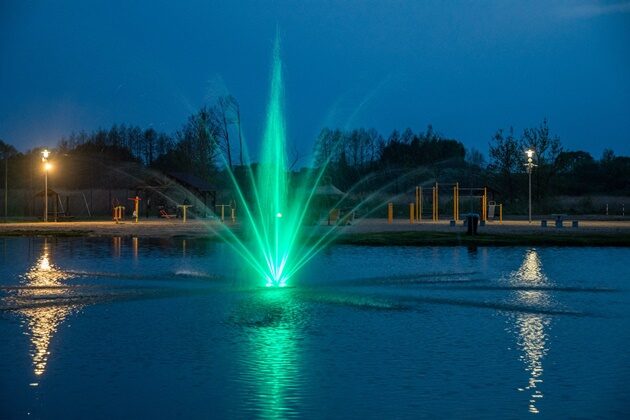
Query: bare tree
[547,149]
[226,113]
[504,159]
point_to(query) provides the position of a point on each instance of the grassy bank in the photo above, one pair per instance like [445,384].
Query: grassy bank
[504,239]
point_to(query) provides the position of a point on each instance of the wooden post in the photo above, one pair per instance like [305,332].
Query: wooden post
[417,216]
[485,204]
[390,213]
[136,207]
[437,202]
[412,213]
[457,201]
[433,204]
[420,205]
[501,213]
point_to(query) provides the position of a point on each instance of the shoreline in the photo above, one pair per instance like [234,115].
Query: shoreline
[372,232]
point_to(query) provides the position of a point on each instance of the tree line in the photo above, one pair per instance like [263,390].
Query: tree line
[210,141]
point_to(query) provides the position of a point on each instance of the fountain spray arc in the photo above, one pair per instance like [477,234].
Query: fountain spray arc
[272,221]
[273,210]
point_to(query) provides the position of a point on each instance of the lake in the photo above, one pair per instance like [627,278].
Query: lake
[160,328]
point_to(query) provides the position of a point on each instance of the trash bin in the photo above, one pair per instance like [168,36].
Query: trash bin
[472,221]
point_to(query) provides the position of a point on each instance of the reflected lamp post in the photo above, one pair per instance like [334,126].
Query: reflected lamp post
[530,166]
[47,166]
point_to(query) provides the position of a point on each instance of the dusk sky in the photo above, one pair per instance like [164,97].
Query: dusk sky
[467,68]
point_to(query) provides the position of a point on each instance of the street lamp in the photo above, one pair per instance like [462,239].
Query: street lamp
[530,166]
[47,166]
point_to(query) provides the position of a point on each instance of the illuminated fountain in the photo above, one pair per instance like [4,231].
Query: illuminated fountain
[274,248]
[273,210]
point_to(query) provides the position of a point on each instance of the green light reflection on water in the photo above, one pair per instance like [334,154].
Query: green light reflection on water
[271,365]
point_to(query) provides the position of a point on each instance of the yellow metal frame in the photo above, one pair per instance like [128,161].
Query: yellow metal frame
[118,213]
[456,202]
[136,207]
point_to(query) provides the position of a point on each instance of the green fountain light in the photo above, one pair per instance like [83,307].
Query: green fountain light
[272,210]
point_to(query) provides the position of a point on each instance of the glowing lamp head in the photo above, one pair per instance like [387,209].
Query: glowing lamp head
[45,154]
[529,153]
[47,166]
[279,215]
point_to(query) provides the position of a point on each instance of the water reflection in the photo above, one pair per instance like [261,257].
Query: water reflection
[531,328]
[41,303]
[270,367]
[116,246]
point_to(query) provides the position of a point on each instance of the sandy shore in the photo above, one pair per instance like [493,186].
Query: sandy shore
[360,230]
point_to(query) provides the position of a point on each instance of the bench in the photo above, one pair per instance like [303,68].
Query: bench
[166,215]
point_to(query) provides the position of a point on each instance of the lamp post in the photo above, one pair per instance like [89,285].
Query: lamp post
[6,184]
[530,166]
[45,154]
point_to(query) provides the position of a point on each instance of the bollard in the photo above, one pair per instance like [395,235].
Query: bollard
[411,213]
[390,213]
[417,216]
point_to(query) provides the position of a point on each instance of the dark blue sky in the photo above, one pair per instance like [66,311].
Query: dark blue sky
[468,68]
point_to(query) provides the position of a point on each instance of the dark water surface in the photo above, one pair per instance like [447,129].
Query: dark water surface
[110,328]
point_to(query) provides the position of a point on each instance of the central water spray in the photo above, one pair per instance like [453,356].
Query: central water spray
[272,183]
[272,222]
[274,242]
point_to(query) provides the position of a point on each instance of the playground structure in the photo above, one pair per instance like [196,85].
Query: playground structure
[232,208]
[184,208]
[475,197]
[119,213]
